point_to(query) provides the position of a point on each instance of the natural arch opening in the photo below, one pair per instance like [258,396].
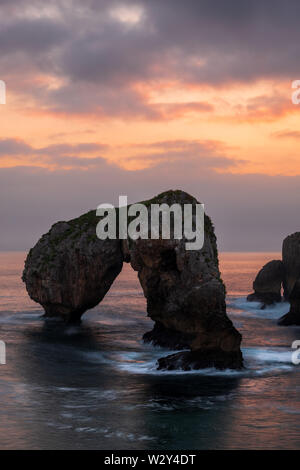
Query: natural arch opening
[124,300]
[70,270]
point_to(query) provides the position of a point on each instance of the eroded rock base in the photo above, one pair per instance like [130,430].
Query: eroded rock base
[202,359]
[264,298]
[167,338]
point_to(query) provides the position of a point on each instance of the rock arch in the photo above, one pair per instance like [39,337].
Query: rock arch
[70,270]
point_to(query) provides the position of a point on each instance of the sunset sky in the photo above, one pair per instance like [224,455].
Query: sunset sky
[110,97]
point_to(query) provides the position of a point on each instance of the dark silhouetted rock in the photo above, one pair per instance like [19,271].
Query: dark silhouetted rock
[201,359]
[291,261]
[166,338]
[184,291]
[293,316]
[70,270]
[267,284]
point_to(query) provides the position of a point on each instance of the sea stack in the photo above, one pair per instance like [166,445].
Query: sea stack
[291,261]
[279,275]
[267,284]
[293,316]
[70,270]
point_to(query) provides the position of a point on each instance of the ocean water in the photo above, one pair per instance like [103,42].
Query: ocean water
[95,386]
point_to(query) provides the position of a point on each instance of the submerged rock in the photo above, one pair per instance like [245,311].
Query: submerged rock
[267,284]
[201,359]
[70,270]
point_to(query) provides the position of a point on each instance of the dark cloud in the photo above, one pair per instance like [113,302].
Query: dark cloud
[105,102]
[200,41]
[100,57]
[73,161]
[205,155]
[266,107]
[191,154]
[64,155]
[286,134]
[58,149]
[14,147]
[17,147]
[30,36]
[98,61]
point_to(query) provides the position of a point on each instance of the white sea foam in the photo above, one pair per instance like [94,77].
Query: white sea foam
[253,309]
[258,361]
[173,403]
[269,355]
[14,318]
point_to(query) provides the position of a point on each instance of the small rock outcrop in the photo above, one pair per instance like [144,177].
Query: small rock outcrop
[70,270]
[267,284]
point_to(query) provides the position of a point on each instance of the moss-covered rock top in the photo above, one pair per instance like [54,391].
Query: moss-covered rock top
[89,220]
